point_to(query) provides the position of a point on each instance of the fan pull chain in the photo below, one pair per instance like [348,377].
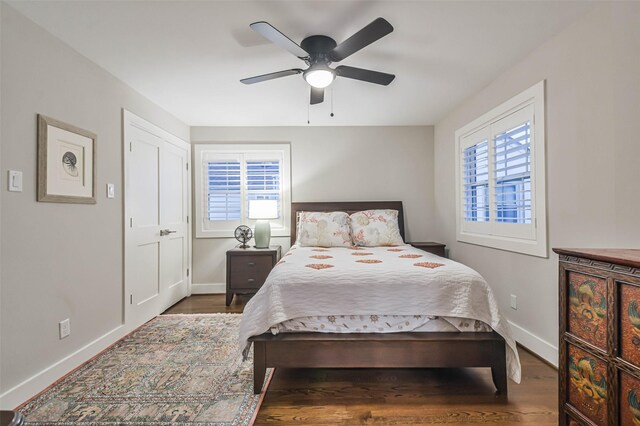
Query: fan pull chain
[331,115]
[308,113]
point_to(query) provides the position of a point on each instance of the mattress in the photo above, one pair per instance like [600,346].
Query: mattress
[378,324]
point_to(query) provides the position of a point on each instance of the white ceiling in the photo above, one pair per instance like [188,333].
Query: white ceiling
[188,56]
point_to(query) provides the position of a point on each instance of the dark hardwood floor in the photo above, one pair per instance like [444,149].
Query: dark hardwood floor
[397,396]
[208,304]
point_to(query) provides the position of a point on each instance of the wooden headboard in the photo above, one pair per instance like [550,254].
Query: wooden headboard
[344,206]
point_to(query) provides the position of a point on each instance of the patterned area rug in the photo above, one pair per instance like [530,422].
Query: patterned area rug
[176,369]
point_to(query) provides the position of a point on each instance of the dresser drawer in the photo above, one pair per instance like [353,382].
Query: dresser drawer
[587,385]
[249,271]
[587,307]
[629,323]
[629,399]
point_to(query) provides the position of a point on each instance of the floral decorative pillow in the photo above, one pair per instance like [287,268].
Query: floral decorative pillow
[373,228]
[320,229]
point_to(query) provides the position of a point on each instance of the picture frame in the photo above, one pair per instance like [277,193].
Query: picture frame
[66,162]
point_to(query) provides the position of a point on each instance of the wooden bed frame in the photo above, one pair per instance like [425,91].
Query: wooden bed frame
[372,350]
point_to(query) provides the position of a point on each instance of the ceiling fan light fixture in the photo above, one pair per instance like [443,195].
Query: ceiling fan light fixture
[319,51]
[319,76]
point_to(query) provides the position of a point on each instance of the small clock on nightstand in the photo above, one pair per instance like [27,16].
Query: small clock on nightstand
[431,247]
[248,268]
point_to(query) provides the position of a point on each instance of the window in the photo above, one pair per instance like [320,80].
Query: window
[228,176]
[500,176]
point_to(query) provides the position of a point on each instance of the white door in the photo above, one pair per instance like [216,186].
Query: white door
[174,241]
[156,220]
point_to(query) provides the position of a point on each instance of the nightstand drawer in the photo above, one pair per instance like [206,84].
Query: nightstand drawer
[251,263]
[249,271]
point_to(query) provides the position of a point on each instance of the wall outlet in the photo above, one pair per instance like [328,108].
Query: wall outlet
[514,302]
[65,328]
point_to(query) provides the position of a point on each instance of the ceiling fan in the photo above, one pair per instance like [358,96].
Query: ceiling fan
[320,51]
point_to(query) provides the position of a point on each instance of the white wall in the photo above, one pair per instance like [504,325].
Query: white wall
[65,261]
[592,71]
[58,260]
[336,164]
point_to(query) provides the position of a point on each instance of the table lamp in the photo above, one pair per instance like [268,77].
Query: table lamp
[263,210]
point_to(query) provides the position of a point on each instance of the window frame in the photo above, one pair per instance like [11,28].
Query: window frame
[522,238]
[243,152]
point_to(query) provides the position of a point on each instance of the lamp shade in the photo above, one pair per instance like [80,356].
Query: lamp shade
[263,209]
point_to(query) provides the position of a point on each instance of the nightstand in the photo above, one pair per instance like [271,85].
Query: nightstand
[431,247]
[247,269]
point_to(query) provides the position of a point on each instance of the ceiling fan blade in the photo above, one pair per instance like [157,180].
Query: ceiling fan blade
[365,75]
[317,95]
[269,32]
[270,76]
[369,34]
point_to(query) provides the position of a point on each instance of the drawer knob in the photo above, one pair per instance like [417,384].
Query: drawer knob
[250,280]
[251,263]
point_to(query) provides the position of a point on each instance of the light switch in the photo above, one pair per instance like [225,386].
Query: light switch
[111,190]
[15,181]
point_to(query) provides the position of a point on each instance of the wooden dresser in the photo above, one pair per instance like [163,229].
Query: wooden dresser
[599,370]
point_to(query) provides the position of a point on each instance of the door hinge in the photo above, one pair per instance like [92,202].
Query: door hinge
[187,166]
[187,219]
[130,222]
[187,271]
[131,299]
[130,146]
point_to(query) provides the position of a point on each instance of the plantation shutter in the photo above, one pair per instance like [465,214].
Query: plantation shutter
[512,174]
[476,182]
[224,196]
[263,181]
[511,170]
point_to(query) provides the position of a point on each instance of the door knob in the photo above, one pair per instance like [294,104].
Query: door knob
[164,232]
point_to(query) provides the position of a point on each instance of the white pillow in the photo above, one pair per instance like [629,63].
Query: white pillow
[320,229]
[373,228]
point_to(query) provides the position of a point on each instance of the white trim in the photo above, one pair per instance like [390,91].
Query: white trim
[208,288]
[41,380]
[538,246]
[537,345]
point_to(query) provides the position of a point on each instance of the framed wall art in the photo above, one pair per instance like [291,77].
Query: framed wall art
[66,163]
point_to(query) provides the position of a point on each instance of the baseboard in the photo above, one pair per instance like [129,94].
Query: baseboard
[41,380]
[209,288]
[535,344]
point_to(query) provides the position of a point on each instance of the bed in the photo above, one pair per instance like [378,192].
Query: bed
[398,284]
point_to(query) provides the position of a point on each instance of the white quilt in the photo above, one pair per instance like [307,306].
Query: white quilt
[400,280]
